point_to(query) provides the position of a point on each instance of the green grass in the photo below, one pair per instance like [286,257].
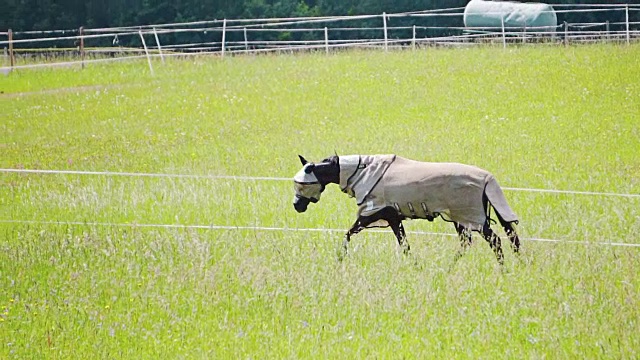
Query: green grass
[550,118]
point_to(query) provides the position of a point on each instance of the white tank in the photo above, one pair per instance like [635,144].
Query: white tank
[535,16]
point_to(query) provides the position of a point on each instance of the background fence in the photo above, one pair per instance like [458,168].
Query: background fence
[28,49]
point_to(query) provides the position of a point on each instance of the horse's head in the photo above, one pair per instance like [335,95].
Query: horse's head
[310,181]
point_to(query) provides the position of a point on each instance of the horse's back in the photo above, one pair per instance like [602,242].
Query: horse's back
[406,172]
[451,189]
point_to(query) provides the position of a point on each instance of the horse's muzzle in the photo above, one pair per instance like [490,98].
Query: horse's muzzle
[300,204]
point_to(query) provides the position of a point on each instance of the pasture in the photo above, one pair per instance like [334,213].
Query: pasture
[205,266]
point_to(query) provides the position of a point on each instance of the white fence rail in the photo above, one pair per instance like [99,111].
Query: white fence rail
[94,224]
[271,178]
[28,49]
[278,229]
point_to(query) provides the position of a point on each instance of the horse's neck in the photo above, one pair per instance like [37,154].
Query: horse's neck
[329,175]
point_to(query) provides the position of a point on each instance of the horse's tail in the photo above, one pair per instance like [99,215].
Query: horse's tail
[494,195]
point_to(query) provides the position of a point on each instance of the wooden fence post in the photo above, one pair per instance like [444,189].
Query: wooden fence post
[12,59]
[413,39]
[566,34]
[146,51]
[384,23]
[81,32]
[246,41]
[224,34]
[155,34]
[504,36]
[326,40]
[627,21]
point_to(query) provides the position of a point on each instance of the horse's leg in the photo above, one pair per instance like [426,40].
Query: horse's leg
[405,244]
[464,235]
[390,215]
[360,224]
[401,235]
[494,241]
[355,228]
[510,230]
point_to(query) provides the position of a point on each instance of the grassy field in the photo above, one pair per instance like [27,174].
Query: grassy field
[95,266]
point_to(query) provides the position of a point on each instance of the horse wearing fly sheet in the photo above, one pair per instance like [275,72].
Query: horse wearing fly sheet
[389,189]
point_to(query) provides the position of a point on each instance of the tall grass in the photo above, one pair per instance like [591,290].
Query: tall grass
[535,117]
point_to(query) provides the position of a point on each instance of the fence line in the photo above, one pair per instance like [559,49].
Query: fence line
[492,30]
[152,175]
[196,51]
[286,229]
[269,178]
[133,30]
[590,10]
[225,26]
[79,62]
[277,21]
[414,13]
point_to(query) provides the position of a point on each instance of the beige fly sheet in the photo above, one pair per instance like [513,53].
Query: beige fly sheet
[422,190]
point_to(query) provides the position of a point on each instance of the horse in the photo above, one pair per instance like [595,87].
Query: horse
[389,189]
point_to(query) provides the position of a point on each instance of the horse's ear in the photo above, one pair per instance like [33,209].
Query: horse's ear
[303,160]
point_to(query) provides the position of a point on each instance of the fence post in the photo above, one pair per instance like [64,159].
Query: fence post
[608,37]
[504,36]
[224,34]
[146,51]
[155,34]
[326,40]
[12,59]
[566,34]
[413,39]
[627,21]
[81,32]
[246,42]
[524,33]
[384,23]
